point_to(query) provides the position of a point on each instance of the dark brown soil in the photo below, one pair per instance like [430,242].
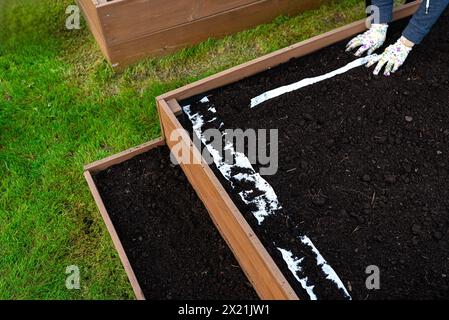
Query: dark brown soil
[171,242]
[363,163]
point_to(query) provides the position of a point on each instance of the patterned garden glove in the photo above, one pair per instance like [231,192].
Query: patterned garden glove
[394,57]
[369,41]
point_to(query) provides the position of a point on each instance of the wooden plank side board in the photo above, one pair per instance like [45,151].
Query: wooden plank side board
[278,57]
[114,236]
[129,30]
[265,276]
[216,26]
[124,20]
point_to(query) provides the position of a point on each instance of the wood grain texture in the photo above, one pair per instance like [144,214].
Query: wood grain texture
[215,26]
[129,30]
[278,57]
[265,276]
[126,20]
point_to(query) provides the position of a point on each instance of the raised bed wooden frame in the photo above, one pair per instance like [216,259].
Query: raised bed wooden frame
[261,270]
[129,30]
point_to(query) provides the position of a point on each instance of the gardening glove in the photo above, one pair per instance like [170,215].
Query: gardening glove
[369,41]
[393,57]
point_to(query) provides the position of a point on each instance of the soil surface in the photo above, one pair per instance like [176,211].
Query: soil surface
[363,164]
[174,248]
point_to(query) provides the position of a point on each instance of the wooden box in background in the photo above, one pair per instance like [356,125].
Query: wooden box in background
[129,30]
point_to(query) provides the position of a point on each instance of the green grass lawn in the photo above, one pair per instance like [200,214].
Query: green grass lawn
[61,106]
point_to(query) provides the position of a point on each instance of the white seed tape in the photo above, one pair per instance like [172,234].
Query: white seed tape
[295,266]
[309,81]
[331,275]
[266,203]
[263,205]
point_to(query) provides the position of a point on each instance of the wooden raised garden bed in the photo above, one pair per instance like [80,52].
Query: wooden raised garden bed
[272,280]
[129,30]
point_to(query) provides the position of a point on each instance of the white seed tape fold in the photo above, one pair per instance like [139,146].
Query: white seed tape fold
[309,81]
[325,267]
[295,266]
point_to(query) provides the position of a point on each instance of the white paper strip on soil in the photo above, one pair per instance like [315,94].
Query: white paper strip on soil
[294,264]
[309,81]
[325,267]
[266,204]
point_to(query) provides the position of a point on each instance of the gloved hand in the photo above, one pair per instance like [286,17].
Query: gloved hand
[394,57]
[369,41]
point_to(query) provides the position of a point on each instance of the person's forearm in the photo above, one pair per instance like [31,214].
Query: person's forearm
[423,20]
[385,10]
